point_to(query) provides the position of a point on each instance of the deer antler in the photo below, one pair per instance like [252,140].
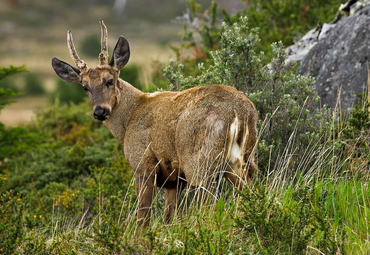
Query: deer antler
[103,56]
[79,63]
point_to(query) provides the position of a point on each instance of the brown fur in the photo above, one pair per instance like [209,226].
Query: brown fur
[170,137]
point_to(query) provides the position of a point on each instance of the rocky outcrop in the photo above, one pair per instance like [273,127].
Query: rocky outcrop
[337,55]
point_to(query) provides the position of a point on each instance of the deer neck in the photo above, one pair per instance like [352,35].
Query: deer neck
[128,99]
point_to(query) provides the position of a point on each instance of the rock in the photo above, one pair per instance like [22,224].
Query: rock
[337,55]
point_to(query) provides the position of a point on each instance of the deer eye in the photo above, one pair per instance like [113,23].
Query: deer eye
[85,88]
[110,82]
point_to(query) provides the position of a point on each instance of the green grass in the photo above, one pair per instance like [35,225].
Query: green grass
[318,212]
[332,216]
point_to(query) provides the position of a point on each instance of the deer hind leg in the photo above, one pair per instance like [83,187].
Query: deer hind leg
[172,201]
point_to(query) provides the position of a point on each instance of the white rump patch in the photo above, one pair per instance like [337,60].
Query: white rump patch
[235,150]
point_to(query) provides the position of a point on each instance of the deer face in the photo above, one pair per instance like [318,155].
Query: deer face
[101,83]
[101,86]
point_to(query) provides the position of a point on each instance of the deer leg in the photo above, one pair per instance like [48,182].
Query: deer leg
[144,187]
[172,201]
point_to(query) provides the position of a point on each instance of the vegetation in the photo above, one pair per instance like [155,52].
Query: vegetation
[67,189]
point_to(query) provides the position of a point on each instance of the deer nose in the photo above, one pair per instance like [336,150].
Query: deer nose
[101,113]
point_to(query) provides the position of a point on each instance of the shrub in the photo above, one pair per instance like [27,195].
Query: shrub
[354,137]
[6,93]
[287,21]
[90,46]
[285,225]
[131,74]
[11,219]
[284,21]
[33,85]
[67,92]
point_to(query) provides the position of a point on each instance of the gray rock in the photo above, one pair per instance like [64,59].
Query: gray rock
[337,56]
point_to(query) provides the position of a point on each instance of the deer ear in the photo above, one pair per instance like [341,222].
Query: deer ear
[121,54]
[65,71]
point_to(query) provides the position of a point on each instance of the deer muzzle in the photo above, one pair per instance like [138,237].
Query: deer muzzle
[101,113]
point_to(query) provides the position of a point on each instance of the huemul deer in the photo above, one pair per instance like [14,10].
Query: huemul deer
[170,139]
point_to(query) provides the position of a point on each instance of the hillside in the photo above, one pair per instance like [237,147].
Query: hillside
[34,31]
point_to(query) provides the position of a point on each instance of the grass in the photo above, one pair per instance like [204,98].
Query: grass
[207,230]
[289,212]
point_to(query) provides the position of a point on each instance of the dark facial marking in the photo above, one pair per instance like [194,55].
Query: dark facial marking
[94,74]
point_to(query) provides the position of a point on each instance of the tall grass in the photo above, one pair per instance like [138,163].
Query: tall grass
[319,205]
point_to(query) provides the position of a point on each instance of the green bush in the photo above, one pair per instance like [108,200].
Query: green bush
[90,46]
[33,85]
[131,74]
[66,92]
[12,140]
[284,21]
[12,209]
[6,92]
[287,21]
[285,225]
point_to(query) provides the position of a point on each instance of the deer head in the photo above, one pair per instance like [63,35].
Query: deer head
[101,83]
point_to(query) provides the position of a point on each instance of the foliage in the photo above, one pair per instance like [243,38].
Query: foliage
[131,74]
[33,85]
[210,240]
[284,21]
[90,46]
[12,140]
[58,152]
[355,135]
[11,219]
[5,94]
[285,224]
[287,21]
[6,71]
[67,92]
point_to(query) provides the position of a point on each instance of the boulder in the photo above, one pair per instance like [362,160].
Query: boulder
[337,55]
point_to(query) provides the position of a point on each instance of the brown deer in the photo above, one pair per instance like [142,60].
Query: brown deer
[170,139]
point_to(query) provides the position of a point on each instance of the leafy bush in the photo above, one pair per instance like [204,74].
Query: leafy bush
[354,137]
[284,21]
[11,220]
[131,74]
[12,140]
[67,92]
[285,225]
[287,21]
[90,46]
[33,85]
[6,93]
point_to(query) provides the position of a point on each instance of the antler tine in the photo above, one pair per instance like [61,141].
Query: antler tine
[79,63]
[103,56]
